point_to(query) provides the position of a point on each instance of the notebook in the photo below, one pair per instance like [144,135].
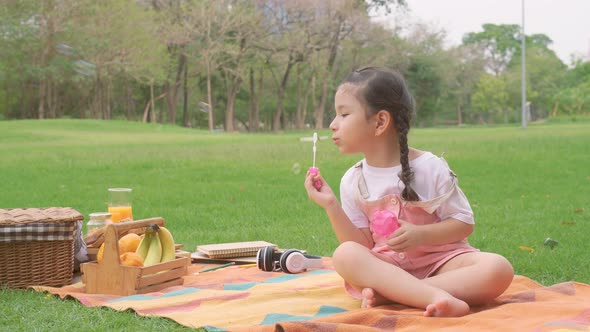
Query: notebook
[233,249]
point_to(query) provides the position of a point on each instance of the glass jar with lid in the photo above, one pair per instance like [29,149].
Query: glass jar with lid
[98,220]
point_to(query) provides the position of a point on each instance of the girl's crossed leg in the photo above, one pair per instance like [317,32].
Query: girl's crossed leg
[470,278]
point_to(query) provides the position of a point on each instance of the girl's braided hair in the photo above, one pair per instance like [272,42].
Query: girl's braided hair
[384,89]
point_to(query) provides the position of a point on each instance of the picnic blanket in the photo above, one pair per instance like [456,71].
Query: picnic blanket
[247,299]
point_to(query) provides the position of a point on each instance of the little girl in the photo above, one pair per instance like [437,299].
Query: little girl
[426,262]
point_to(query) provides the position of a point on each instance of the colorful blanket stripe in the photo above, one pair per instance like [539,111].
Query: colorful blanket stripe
[247,299]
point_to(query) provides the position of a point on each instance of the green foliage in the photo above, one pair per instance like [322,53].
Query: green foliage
[492,96]
[574,98]
[500,43]
[119,36]
[99,59]
[545,78]
[572,101]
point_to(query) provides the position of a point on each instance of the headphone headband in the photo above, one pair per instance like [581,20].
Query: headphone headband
[290,261]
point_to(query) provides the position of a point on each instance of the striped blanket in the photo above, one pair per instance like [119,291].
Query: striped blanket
[247,299]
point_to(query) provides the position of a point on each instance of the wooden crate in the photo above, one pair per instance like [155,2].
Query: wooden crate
[110,277]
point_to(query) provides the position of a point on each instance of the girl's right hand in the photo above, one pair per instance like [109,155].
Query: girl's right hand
[324,196]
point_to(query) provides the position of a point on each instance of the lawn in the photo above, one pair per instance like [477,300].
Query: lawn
[525,185]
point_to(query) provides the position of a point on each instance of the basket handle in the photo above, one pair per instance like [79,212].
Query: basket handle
[111,236]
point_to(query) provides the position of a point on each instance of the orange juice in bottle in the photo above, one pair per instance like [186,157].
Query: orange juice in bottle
[120,204]
[119,213]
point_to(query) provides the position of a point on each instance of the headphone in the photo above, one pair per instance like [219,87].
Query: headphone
[289,261]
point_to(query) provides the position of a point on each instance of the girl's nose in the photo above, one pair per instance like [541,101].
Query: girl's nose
[333,125]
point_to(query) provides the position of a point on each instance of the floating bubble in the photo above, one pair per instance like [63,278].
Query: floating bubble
[549,242]
[84,68]
[296,169]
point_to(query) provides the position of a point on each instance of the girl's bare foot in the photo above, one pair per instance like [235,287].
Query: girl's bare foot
[371,299]
[447,307]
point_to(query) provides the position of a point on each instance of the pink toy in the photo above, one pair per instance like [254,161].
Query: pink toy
[314,170]
[384,223]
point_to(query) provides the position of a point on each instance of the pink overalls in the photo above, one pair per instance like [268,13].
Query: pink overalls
[423,261]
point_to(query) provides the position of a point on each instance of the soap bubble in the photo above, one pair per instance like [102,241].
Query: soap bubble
[296,169]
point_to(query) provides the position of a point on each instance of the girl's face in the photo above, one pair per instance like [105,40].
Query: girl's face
[352,131]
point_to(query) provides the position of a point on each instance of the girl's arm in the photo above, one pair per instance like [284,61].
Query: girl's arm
[343,228]
[447,231]
[410,236]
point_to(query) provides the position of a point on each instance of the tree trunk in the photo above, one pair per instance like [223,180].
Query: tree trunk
[210,96]
[46,33]
[299,113]
[42,93]
[152,115]
[305,102]
[334,44]
[130,105]
[96,108]
[51,98]
[168,101]
[229,109]
[172,98]
[459,113]
[276,123]
[253,119]
[160,114]
[185,119]
[319,119]
[146,111]
[285,119]
[107,102]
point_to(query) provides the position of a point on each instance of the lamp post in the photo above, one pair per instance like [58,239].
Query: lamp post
[523,78]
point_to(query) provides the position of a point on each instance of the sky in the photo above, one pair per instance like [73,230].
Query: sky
[566,22]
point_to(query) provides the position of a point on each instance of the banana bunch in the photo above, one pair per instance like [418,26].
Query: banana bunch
[157,246]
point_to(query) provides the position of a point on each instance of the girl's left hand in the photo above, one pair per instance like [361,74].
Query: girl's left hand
[407,237]
[324,196]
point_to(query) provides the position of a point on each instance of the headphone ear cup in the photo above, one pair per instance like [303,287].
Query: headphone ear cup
[291,256]
[265,258]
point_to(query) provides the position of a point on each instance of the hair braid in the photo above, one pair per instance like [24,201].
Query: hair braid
[406,175]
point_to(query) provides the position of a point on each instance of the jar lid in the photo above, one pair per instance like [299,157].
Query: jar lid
[100,215]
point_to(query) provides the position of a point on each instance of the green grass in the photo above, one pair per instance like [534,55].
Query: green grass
[524,185]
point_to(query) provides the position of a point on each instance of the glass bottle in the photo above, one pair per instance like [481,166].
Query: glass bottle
[98,220]
[120,204]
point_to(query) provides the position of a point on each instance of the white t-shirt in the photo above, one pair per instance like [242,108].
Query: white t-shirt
[432,178]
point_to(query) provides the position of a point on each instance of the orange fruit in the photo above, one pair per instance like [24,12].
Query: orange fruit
[129,243]
[131,259]
[100,253]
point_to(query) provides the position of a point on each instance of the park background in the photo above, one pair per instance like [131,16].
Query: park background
[265,65]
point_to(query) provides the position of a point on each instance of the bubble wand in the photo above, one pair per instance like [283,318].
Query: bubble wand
[314,170]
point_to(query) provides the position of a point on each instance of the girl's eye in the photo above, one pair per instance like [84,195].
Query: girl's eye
[344,115]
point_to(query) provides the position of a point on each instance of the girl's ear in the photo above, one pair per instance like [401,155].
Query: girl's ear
[383,120]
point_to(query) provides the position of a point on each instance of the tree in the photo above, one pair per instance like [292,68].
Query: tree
[572,101]
[491,97]
[426,73]
[545,76]
[18,44]
[467,68]
[118,36]
[499,43]
[239,53]
[574,97]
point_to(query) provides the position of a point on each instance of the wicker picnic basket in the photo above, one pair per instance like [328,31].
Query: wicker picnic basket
[37,246]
